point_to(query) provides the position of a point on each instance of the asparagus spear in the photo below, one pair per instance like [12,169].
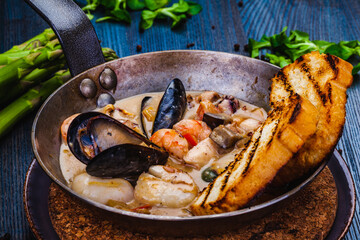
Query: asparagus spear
[10,115]
[109,54]
[32,79]
[35,42]
[13,72]
[6,58]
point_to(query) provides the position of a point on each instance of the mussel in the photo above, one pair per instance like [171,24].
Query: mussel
[110,148]
[125,161]
[171,107]
[142,108]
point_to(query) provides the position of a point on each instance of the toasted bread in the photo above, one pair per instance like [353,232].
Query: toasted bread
[267,152]
[323,80]
[303,110]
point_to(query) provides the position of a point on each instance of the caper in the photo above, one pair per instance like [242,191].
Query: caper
[209,174]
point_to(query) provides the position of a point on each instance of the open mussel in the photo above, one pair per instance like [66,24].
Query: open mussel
[144,103]
[79,138]
[100,141]
[122,161]
[171,107]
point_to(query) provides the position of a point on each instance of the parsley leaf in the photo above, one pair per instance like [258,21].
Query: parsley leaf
[286,49]
[194,8]
[177,12]
[278,60]
[135,5]
[155,4]
[117,10]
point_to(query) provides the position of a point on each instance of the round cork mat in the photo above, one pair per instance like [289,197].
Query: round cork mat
[309,215]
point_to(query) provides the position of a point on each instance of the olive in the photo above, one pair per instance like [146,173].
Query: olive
[88,88]
[108,79]
[209,174]
[105,99]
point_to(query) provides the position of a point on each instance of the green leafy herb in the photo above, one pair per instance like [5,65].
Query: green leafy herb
[117,10]
[177,12]
[136,5]
[194,8]
[286,49]
[278,60]
[356,69]
[155,4]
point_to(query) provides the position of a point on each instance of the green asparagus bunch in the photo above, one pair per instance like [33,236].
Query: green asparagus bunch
[29,73]
[30,101]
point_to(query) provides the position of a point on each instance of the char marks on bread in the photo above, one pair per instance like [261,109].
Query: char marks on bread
[308,107]
[322,79]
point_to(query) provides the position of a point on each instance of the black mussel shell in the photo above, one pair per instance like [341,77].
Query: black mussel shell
[142,107]
[171,107]
[92,132]
[78,137]
[126,161]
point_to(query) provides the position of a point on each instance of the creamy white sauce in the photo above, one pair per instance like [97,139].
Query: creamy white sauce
[130,109]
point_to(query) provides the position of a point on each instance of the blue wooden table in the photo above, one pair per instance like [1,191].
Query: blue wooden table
[220,25]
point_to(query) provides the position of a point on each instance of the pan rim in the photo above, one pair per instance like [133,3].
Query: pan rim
[254,208]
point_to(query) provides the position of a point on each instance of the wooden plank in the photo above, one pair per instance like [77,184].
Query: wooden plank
[18,22]
[328,20]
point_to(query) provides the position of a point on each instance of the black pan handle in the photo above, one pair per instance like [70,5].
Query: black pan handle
[74,30]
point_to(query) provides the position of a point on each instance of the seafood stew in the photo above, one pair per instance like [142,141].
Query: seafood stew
[199,135]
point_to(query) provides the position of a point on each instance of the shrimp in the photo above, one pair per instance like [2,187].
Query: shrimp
[165,186]
[171,141]
[194,131]
[65,126]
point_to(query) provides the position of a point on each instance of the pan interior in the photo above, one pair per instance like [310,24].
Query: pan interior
[242,77]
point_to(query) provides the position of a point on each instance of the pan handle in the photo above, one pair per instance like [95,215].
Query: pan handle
[74,30]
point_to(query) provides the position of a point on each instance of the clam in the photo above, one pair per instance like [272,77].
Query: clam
[111,149]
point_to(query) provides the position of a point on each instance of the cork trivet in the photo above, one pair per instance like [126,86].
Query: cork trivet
[309,215]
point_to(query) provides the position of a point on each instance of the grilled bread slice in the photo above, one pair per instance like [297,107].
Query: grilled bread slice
[272,145]
[323,80]
[308,109]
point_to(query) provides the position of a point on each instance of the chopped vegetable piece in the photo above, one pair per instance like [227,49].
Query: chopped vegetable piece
[214,120]
[224,137]
[149,113]
[191,139]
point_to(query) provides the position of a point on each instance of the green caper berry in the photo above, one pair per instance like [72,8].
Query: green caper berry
[208,175]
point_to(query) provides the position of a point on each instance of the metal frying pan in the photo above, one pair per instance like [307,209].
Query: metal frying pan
[243,77]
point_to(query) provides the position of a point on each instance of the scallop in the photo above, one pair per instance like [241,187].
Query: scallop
[102,190]
[165,186]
